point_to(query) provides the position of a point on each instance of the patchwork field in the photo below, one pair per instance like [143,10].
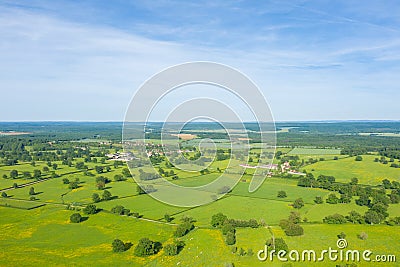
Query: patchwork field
[39,232]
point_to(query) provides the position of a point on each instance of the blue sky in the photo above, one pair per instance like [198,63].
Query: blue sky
[313,60]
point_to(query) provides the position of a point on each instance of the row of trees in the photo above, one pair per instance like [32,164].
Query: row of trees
[228,226]
[147,247]
[374,215]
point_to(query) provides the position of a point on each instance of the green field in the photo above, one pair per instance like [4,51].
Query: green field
[367,171]
[314,151]
[39,232]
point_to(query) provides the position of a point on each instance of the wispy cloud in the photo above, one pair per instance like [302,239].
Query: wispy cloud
[71,61]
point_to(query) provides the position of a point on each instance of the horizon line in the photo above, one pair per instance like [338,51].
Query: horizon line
[278,121]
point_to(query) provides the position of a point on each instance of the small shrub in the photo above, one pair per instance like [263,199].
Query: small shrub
[282,194]
[75,218]
[147,247]
[363,236]
[230,238]
[118,246]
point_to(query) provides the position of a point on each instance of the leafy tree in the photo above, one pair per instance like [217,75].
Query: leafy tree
[55,166]
[75,218]
[120,210]
[115,164]
[230,238]
[65,181]
[168,218]
[32,191]
[5,176]
[342,235]
[294,230]
[344,198]
[217,220]
[27,175]
[149,189]
[183,229]
[37,174]
[174,248]
[298,203]
[32,198]
[394,197]
[335,219]
[226,228]
[90,209]
[146,247]
[73,185]
[386,184]
[106,195]
[99,169]
[332,199]
[14,174]
[126,172]
[363,236]
[318,200]
[358,158]
[119,177]
[294,217]
[140,190]
[282,194]
[96,198]
[290,226]
[224,190]
[278,245]
[381,209]
[102,179]
[354,217]
[15,185]
[363,200]
[354,181]
[100,185]
[118,246]
[80,165]
[4,194]
[45,169]
[393,221]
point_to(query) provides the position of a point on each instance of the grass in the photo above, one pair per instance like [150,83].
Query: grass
[13,203]
[314,151]
[271,186]
[43,235]
[237,207]
[367,171]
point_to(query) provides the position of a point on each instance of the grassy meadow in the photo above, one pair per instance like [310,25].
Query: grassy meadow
[39,232]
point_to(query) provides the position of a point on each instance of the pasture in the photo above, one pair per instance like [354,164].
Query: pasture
[39,232]
[314,151]
[367,171]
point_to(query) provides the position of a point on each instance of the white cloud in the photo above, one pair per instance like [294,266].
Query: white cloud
[54,69]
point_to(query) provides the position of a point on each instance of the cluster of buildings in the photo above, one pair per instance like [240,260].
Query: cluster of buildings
[285,167]
[122,156]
